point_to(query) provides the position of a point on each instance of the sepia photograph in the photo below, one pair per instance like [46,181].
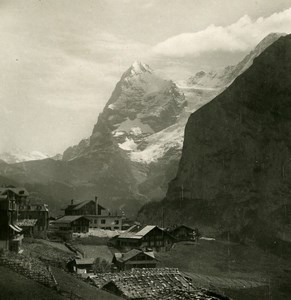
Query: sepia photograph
[145,149]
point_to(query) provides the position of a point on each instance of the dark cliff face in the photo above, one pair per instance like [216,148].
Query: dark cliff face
[235,170]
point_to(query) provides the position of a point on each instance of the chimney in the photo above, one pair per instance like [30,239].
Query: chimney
[96,206]
[72,201]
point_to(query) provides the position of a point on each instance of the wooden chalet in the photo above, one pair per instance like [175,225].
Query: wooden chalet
[151,236]
[75,224]
[99,216]
[86,207]
[183,233]
[134,259]
[81,266]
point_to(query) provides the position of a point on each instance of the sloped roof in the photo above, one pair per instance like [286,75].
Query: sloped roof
[68,219]
[150,253]
[129,235]
[130,254]
[146,230]
[26,222]
[20,191]
[123,257]
[147,282]
[140,234]
[181,226]
[132,228]
[153,284]
[81,204]
[85,261]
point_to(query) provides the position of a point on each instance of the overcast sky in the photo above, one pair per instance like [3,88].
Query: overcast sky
[60,59]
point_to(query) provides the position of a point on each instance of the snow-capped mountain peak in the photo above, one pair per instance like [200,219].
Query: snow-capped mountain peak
[139,67]
[136,69]
[17,155]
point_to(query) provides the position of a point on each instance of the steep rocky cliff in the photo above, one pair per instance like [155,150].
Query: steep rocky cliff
[235,172]
[141,105]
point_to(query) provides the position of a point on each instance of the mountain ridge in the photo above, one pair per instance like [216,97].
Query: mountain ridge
[133,151]
[234,173]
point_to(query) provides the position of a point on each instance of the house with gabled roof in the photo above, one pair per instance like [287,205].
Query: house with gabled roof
[75,224]
[99,216]
[134,258]
[18,194]
[149,237]
[27,210]
[183,233]
[86,207]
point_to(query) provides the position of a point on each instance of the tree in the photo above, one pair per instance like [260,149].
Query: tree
[101,265]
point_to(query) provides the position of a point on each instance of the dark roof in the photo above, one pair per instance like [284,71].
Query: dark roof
[130,254]
[19,191]
[81,204]
[181,226]
[123,257]
[68,219]
[133,228]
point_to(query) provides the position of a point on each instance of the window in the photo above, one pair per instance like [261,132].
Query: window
[95,221]
[116,222]
[103,221]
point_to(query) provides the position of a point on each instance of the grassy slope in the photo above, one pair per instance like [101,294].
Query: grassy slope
[230,260]
[77,289]
[69,286]
[15,286]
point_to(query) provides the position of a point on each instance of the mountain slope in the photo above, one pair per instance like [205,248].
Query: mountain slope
[223,78]
[161,151]
[235,172]
[141,104]
[134,149]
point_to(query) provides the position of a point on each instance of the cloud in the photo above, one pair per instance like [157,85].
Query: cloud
[240,36]
[56,77]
